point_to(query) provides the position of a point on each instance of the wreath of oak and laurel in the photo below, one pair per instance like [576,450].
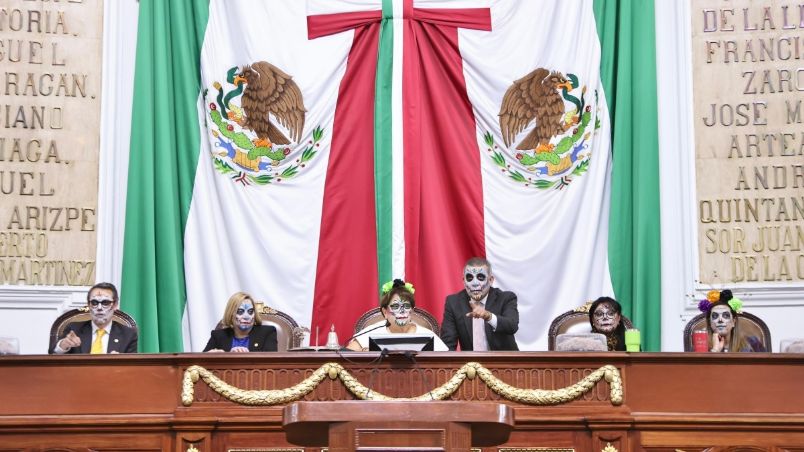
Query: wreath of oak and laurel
[244,122]
[552,153]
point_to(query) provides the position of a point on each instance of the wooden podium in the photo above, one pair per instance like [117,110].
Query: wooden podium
[356,425]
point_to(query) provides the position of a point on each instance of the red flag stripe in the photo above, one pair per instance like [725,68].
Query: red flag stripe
[443,187]
[346,277]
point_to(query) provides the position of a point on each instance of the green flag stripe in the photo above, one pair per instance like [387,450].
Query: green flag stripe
[628,71]
[383,167]
[163,157]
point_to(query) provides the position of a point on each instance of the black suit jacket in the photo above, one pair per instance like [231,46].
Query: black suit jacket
[262,338]
[457,327]
[122,339]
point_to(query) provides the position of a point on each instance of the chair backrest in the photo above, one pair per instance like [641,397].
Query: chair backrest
[747,323]
[574,321]
[792,345]
[288,332]
[419,317]
[82,315]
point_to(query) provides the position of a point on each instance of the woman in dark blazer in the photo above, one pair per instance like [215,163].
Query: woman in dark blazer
[242,330]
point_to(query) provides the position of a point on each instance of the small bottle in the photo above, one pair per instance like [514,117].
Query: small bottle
[332,339]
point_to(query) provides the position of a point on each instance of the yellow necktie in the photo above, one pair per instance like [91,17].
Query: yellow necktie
[97,344]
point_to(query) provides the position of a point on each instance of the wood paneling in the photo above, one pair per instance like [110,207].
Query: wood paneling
[690,402]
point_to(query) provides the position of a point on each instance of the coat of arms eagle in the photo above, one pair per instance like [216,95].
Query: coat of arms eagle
[270,91]
[534,96]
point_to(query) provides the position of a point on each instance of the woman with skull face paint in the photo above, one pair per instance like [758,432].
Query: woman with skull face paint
[605,316]
[722,323]
[243,331]
[396,305]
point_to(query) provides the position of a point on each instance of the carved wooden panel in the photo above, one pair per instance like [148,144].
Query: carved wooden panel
[403,382]
[673,401]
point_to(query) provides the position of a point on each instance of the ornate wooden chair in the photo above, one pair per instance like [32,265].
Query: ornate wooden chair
[419,317]
[574,321]
[747,323]
[288,332]
[82,315]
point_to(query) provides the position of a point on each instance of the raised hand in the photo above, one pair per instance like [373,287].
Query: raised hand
[479,313]
[718,342]
[70,341]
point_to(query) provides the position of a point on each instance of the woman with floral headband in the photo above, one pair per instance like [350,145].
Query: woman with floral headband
[721,310]
[396,305]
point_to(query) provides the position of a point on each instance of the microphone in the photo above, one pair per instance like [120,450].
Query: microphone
[384,325]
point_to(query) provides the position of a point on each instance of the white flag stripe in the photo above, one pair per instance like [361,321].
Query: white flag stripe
[398,146]
[547,245]
[262,239]
[341,6]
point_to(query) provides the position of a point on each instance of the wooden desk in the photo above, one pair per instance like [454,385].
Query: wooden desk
[671,400]
[363,425]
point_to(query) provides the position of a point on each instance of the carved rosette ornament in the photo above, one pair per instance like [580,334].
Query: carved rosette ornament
[469,370]
[609,448]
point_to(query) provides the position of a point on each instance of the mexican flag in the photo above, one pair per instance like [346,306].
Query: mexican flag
[306,152]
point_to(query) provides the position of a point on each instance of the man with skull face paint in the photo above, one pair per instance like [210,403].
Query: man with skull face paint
[243,331]
[100,334]
[721,322]
[480,317]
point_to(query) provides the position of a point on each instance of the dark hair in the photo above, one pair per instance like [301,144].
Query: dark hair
[105,286]
[397,289]
[479,262]
[619,333]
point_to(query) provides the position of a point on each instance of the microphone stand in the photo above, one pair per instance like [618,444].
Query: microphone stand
[346,344]
[376,361]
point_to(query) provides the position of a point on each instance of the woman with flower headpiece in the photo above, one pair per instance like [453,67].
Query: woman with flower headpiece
[721,310]
[396,305]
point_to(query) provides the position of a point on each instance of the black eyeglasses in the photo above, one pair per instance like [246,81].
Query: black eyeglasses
[399,306]
[104,302]
[599,314]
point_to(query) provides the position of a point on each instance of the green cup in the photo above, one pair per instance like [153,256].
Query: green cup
[633,339]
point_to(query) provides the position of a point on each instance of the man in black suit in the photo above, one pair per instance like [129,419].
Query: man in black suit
[100,334]
[480,317]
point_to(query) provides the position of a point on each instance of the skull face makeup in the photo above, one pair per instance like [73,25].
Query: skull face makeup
[101,306]
[721,320]
[244,316]
[477,281]
[605,318]
[398,311]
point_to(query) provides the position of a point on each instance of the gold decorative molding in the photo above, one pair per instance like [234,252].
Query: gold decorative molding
[470,370]
[192,449]
[609,448]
